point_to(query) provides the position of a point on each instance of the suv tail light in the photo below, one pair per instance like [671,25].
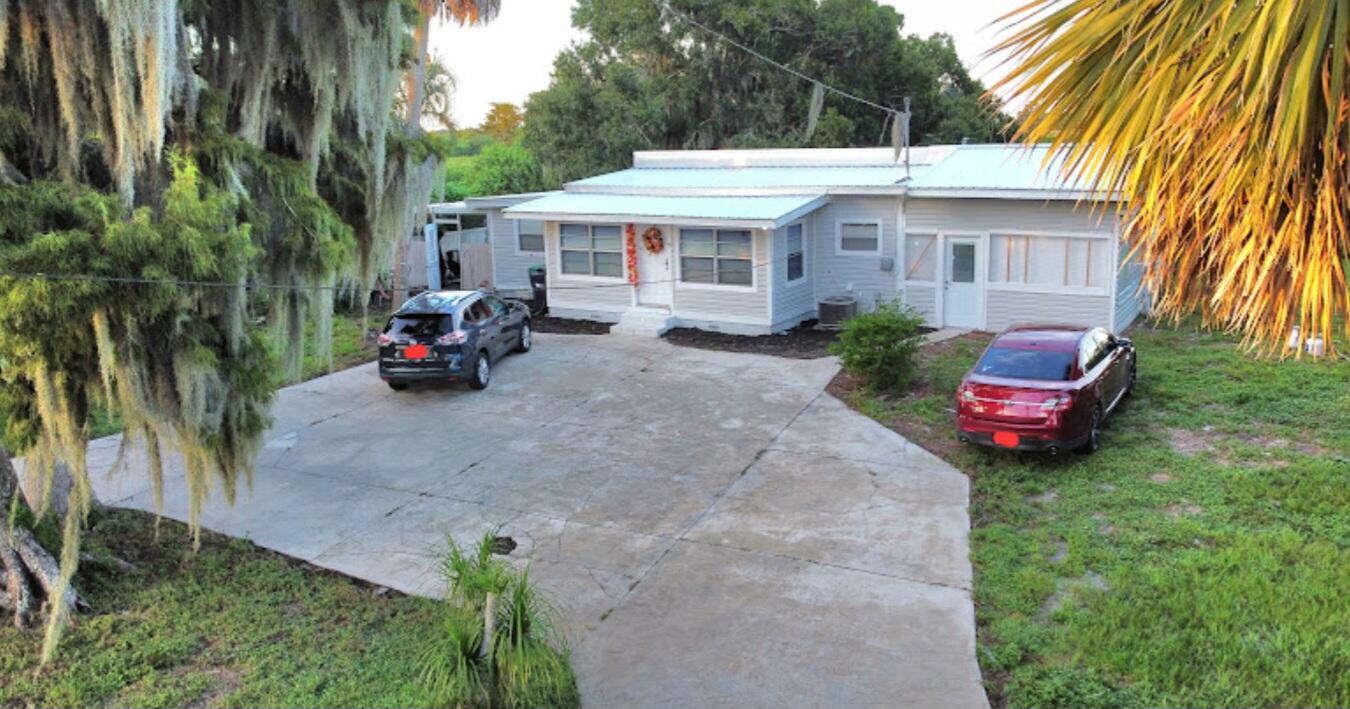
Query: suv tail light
[454,337]
[384,339]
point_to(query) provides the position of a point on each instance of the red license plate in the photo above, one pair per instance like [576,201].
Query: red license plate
[416,352]
[1007,439]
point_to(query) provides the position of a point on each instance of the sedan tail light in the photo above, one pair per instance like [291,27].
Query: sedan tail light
[1058,402]
[454,337]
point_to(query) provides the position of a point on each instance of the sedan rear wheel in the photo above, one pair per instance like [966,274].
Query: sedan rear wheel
[1094,439]
[482,372]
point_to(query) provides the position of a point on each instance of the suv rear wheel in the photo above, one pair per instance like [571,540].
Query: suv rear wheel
[526,338]
[398,386]
[482,372]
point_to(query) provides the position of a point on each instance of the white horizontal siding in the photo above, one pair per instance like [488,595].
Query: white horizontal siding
[984,215]
[603,295]
[860,276]
[1009,307]
[793,302]
[924,300]
[1006,306]
[729,304]
[510,270]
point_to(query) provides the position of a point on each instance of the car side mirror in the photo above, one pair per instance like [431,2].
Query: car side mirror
[1124,342]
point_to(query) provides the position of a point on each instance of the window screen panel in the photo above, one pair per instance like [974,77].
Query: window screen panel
[859,237]
[921,257]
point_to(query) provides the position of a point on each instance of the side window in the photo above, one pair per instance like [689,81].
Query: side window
[1096,350]
[476,313]
[495,305]
[1087,350]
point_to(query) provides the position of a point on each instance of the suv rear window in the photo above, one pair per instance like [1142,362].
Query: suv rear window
[417,326]
[1026,364]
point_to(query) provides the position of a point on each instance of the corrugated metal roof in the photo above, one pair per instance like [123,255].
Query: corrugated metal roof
[1009,167]
[751,212]
[746,177]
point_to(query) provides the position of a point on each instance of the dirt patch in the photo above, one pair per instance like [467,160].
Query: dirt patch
[1044,498]
[566,326]
[1067,588]
[1160,478]
[801,342]
[1185,508]
[1273,444]
[1189,443]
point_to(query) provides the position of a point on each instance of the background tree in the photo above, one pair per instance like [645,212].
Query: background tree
[438,99]
[507,169]
[648,79]
[503,122]
[1227,126]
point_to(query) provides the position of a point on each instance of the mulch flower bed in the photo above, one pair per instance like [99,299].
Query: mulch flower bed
[801,342]
[565,326]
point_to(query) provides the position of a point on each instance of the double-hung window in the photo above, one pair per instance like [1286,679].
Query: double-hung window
[717,256]
[796,253]
[529,236]
[1055,261]
[859,238]
[591,250]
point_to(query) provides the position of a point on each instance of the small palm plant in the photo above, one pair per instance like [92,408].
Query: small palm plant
[491,654]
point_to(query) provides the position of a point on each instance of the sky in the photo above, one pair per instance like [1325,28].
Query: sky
[511,57]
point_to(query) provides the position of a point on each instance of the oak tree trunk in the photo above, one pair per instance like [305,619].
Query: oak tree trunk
[25,565]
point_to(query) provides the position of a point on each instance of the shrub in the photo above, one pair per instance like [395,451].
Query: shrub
[879,346]
[527,663]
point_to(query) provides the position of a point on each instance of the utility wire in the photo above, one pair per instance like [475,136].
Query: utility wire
[133,280]
[767,60]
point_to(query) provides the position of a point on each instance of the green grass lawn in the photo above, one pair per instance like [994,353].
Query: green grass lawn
[1201,558]
[234,625]
[349,347]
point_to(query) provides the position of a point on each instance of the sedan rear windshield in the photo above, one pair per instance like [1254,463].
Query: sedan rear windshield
[1026,364]
[418,326]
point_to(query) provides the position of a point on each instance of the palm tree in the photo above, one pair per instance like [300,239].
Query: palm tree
[465,12]
[1226,125]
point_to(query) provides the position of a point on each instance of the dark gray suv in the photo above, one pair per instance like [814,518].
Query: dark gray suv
[451,336]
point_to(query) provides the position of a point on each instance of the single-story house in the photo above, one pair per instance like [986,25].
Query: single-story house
[750,241]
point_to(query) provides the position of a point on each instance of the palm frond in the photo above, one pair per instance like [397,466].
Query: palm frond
[1225,125]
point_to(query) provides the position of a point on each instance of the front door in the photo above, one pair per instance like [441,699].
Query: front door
[961,283]
[654,269]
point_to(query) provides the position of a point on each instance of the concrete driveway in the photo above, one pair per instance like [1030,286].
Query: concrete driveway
[718,530]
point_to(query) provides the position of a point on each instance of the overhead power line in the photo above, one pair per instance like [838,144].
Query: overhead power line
[748,50]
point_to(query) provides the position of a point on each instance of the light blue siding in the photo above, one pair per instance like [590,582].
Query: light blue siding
[510,270]
[1131,298]
[858,275]
[792,302]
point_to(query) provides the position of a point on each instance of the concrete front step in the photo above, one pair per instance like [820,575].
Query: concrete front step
[644,322]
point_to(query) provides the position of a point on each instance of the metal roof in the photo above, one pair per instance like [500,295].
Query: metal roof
[1010,170]
[768,212]
[814,178]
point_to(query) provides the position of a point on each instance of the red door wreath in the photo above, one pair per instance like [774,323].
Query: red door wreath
[653,241]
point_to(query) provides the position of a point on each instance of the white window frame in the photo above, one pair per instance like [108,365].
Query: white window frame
[543,236]
[839,237]
[1102,290]
[590,230]
[806,255]
[679,262]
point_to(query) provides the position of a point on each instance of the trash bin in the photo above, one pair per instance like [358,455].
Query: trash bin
[539,288]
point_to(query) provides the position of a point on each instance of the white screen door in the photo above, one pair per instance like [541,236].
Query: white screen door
[960,283]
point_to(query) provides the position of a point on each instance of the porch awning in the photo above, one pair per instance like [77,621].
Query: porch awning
[768,212]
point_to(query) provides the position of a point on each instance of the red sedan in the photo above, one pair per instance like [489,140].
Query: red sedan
[1045,388]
